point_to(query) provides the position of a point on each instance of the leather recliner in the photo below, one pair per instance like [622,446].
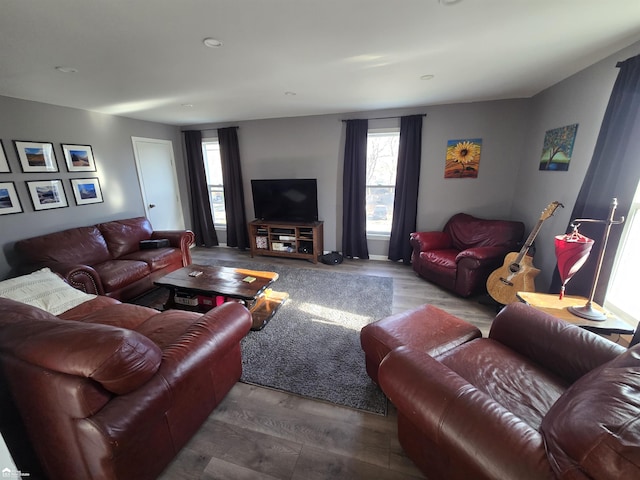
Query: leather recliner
[461,257]
[538,398]
[108,390]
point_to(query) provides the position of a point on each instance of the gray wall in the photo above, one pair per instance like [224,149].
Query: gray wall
[110,138]
[312,147]
[581,99]
[509,184]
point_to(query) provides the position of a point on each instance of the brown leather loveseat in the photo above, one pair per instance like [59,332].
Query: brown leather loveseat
[461,257]
[111,391]
[106,259]
[538,399]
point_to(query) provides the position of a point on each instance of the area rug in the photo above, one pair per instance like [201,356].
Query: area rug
[311,347]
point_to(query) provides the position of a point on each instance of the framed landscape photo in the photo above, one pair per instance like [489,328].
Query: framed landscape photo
[79,158]
[36,156]
[9,201]
[47,194]
[86,190]
[4,164]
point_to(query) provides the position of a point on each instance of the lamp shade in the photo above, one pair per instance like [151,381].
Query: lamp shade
[572,250]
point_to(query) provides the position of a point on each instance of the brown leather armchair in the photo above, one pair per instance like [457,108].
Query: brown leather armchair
[108,390]
[461,257]
[538,399]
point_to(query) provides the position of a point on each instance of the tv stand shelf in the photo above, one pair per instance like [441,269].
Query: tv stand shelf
[287,239]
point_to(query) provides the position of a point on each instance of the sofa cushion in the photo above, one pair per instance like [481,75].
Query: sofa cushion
[467,231]
[116,274]
[157,259]
[124,236]
[509,378]
[594,427]
[44,289]
[76,246]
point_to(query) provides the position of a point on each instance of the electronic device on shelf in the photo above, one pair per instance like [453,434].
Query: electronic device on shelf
[285,199]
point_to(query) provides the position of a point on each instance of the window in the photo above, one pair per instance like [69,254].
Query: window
[382,161]
[622,285]
[213,170]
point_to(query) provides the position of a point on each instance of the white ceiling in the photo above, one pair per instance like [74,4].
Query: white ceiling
[145,58]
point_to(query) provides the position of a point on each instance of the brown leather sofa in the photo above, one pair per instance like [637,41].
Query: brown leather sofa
[106,259]
[108,390]
[461,257]
[538,399]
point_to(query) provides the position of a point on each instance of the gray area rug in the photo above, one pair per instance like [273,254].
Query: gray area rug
[311,347]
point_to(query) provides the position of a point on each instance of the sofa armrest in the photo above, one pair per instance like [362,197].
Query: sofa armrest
[563,348]
[82,277]
[483,255]
[466,424]
[424,241]
[182,239]
[211,337]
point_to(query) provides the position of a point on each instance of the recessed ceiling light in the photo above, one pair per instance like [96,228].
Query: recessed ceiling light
[187,105]
[212,42]
[67,69]
[426,77]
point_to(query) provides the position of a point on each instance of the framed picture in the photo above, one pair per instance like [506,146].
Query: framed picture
[47,194]
[4,164]
[79,158]
[463,158]
[9,201]
[86,190]
[558,148]
[36,156]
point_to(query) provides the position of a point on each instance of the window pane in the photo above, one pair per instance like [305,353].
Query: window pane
[213,170]
[382,161]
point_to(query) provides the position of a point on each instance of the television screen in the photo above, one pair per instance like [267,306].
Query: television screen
[291,199]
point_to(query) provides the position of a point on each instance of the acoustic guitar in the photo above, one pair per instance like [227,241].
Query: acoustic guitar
[518,273]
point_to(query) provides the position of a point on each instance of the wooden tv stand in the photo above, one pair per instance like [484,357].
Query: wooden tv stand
[287,239]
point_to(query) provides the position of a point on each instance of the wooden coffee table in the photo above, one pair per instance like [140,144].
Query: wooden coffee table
[202,287]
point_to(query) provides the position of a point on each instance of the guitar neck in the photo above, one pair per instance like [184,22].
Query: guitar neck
[529,242]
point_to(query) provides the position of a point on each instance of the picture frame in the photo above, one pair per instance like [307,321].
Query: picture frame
[557,148]
[86,190]
[78,158]
[47,194]
[9,201]
[4,163]
[36,157]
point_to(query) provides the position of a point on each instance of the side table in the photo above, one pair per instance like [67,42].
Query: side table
[551,303]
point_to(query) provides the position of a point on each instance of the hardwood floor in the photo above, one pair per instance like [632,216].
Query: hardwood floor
[260,433]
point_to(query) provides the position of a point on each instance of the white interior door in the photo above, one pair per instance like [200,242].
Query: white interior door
[158,182]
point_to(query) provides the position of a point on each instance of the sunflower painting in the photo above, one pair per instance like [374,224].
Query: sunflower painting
[463,158]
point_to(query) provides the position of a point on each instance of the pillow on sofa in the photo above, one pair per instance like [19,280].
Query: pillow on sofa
[594,427]
[44,289]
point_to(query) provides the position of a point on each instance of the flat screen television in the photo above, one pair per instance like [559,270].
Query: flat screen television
[286,199]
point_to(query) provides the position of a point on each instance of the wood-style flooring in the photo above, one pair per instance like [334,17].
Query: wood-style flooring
[258,433]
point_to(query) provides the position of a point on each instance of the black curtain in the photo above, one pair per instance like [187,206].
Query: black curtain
[354,181]
[614,172]
[237,235]
[405,203]
[201,217]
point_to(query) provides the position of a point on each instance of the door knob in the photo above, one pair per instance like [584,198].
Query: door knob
[152,205]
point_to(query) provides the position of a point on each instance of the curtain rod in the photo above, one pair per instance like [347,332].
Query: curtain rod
[212,129]
[384,118]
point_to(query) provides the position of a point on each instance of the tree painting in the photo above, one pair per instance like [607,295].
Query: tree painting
[558,147]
